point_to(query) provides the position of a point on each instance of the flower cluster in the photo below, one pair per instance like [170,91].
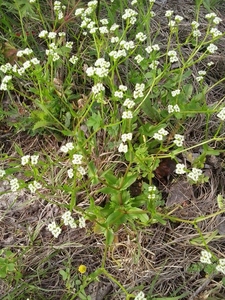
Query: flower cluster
[101,68]
[4,85]
[180,169]
[32,158]
[139,89]
[160,134]
[173,56]
[201,75]
[58,8]
[67,220]
[14,184]
[34,186]
[152,192]
[205,257]
[173,108]
[221,266]
[130,15]
[195,174]
[175,93]
[54,229]
[140,296]
[66,148]
[178,140]
[221,114]
[125,137]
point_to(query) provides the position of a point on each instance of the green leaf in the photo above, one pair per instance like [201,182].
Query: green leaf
[128,180]
[41,124]
[220,201]
[109,234]
[116,218]
[63,274]
[95,121]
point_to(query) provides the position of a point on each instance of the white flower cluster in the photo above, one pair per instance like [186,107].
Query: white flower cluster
[125,137]
[4,85]
[67,220]
[98,88]
[139,89]
[173,56]
[201,75]
[54,229]
[101,68]
[66,148]
[212,16]
[154,47]
[34,186]
[58,8]
[215,32]
[77,159]
[140,296]
[130,15]
[120,92]
[127,45]
[178,140]
[194,174]
[154,64]
[26,51]
[73,59]
[169,13]
[205,257]
[26,158]
[116,54]
[141,37]
[173,108]
[14,184]
[180,169]
[221,114]
[212,48]
[175,93]
[152,192]
[160,134]
[221,266]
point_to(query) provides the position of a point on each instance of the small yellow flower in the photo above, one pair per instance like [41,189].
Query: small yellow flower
[82,269]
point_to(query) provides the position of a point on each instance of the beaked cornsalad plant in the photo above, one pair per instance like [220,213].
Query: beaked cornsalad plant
[121,98]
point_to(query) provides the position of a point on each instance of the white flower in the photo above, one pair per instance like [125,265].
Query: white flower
[199,78]
[43,34]
[210,16]
[25,159]
[52,35]
[35,61]
[138,92]
[221,114]
[140,36]
[217,20]
[77,159]
[126,137]
[81,170]
[123,88]
[14,184]
[67,147]
[178,18]
[79,11]
[175,93]
[123,148]
[194,174]
[99,87]
[118,94]
[70,173]
[195,24]
[103,30]
[127,45]
[152,188]
[173,108]
[215,32]
[82,222]
[54,229]
[169,13]
[129,13]
[172,23]
[160,134]
[205,257]
[151,1]
[140,296]
[129,103]
[34,159]
[127,115]
[178,140]
[173,56]
[67,217]
[2,173]
[211,63]
[114,39]
[139,58]
[69,45]
[212,48]
[201,73]
[154,64]
[180,169]
[134,2]
[5,68]
[114,27]
[73,59]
